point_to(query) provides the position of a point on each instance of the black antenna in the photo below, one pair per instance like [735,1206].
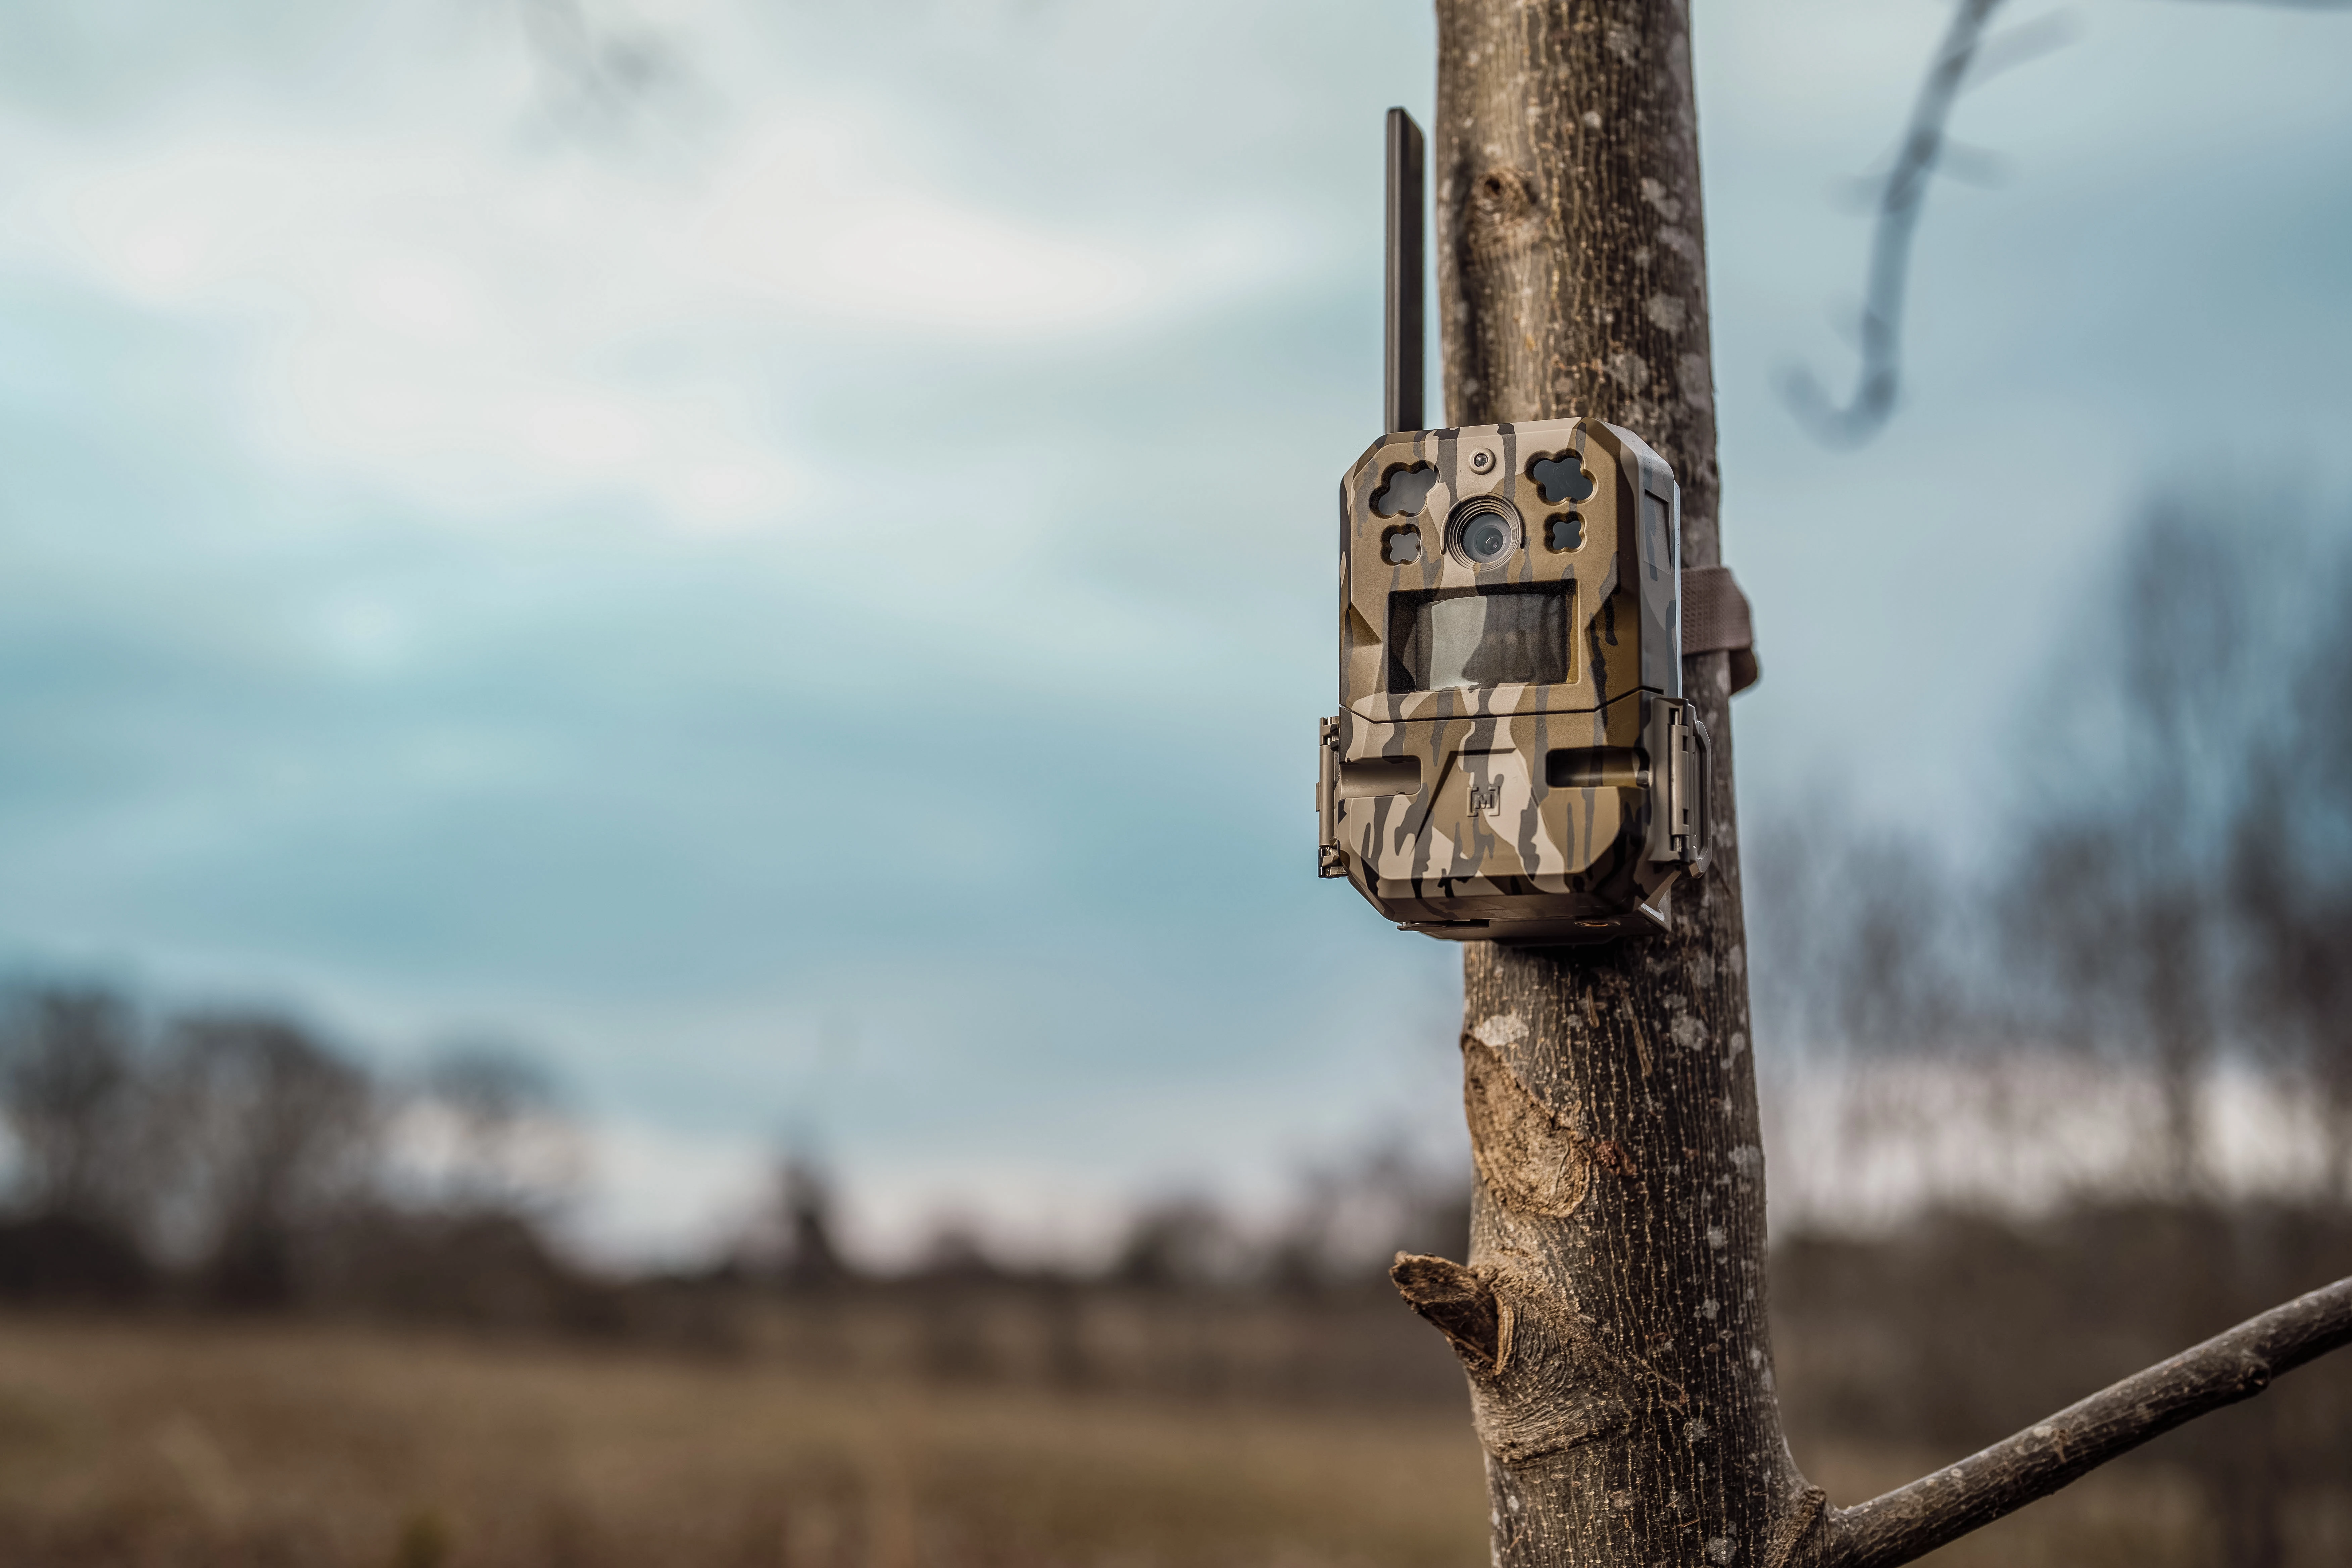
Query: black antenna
[1402,405]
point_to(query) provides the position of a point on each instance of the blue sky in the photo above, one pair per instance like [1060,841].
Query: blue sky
[802,587]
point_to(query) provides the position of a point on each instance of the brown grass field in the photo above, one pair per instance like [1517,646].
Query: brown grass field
[203,1444]
[168,1443]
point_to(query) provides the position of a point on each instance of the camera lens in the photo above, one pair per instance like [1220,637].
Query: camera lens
[1486,532]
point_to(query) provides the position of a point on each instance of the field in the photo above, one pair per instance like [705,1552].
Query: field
[162,1442]
[202,1443]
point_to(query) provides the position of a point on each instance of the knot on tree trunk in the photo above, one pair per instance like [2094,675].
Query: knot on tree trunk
[1538,1382]
[1503,215]
[1461,1304]
[1529,1155]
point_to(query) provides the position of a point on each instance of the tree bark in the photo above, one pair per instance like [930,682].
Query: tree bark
[1625,1397]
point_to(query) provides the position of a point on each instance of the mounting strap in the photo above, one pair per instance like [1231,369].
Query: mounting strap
[1716,619]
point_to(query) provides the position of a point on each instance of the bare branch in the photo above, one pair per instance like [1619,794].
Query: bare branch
[1915,1519]
[2022,44]
[1964,58]
[1460,1302]
[1900,200]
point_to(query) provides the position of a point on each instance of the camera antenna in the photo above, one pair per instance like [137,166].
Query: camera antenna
[1401,407]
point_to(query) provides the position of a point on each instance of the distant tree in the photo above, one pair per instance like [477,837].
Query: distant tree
[2291,870]
[792,1240]
[72,1088]
[1184,1242]
[74,1092]
[2120,897]
[1354,1215]
[500,1144]
[272,1131]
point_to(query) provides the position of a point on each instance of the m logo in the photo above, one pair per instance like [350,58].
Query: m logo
[1486,802]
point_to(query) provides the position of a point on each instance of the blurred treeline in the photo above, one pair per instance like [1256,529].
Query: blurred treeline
[236,1162]
[2159,886]
[2054,1106]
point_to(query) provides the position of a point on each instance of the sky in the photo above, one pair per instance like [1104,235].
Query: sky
[779,553]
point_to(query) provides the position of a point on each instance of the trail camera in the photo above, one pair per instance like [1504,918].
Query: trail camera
[1513,759]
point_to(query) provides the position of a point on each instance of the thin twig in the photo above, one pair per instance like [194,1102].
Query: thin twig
[1961,61]
[1900,200]
[1917,1518]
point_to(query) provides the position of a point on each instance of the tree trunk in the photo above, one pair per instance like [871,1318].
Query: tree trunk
[1625,1397]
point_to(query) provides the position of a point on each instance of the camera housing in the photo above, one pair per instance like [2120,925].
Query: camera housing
[1513,760]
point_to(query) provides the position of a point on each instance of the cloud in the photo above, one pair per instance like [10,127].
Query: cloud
[488,326]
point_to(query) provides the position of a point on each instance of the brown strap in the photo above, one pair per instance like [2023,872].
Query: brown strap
[1715,620]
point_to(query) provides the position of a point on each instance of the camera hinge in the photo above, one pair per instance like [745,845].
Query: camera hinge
[1688,785]
[1328,861]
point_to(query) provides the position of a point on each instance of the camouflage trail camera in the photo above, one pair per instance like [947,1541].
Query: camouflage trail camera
[1513,759]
